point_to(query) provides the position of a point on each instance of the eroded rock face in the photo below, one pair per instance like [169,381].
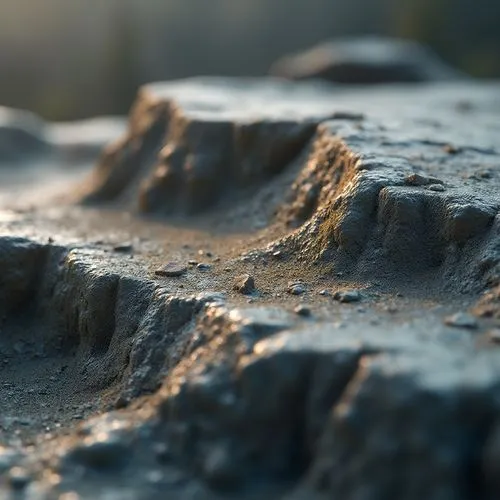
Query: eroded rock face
[209,382]
[366,60]
[370,199]
[193,143]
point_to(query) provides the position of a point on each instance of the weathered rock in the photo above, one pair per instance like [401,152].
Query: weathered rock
[262,402]
[190,144]
[303,310]
[461,320]
[366,60]
[171,270]
[347,296]
[361,215]
[417,406]
[296,288]
[244,284]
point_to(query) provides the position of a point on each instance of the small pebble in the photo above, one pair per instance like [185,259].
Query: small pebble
[302,310]
[494,335]
[121,402]
[324,293]
[421,180]
[192,262]
[123,248]
[461,320]
[484,174]
[296,288]
[436,187]
[171,270]
[347,296]
[18,478]
[450,149]
[278,254]
[244,284]
[162,453]
[202,266]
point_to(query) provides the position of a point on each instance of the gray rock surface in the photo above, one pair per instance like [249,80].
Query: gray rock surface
[121,383]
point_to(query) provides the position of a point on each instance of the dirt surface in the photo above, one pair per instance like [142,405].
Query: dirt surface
[360,358]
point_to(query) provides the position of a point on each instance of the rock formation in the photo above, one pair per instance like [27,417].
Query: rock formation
[366,60]
[376,211]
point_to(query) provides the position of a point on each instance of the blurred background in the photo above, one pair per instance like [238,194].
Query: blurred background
[70,59]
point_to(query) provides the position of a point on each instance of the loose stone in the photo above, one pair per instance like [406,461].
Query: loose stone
[494,335]
[461,320]
[421,180]
[123,248]
[296,288]
[244,284]
[203,266]
[347,296]
[436,187]
[171,270]
[302,310]
[18,478]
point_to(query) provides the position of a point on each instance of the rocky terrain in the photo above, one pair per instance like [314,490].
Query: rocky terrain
[264,289]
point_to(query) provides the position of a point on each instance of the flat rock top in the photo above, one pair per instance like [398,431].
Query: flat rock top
[212,98]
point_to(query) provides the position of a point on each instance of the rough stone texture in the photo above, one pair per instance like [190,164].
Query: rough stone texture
[191,143]
[366,60]
[118,383]
[364,192]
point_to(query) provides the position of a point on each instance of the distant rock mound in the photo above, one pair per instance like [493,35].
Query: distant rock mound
[366,60]
[84,140]
[27,138]
[22,136]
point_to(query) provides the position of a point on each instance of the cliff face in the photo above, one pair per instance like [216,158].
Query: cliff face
[360,358]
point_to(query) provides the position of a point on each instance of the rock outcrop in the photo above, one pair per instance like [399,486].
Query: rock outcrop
[315,357]
[366,60]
